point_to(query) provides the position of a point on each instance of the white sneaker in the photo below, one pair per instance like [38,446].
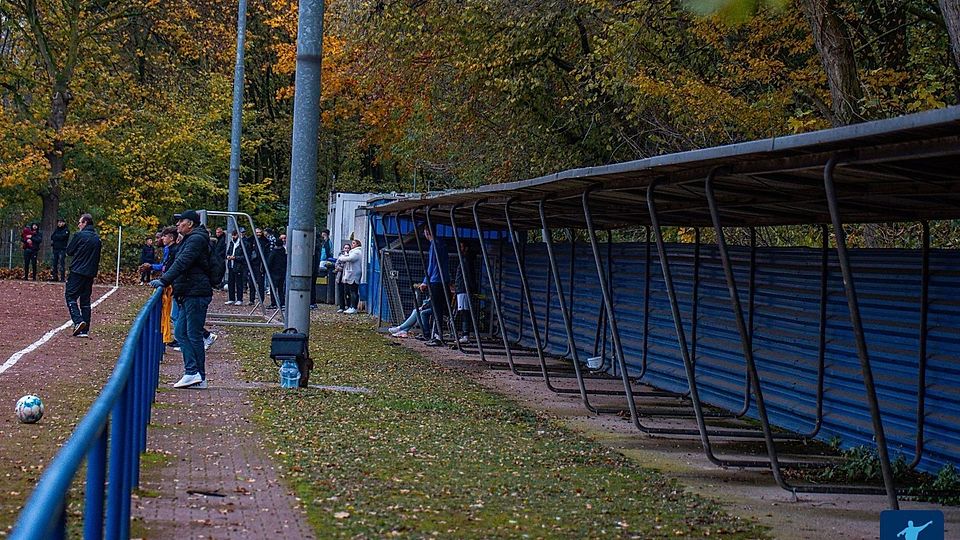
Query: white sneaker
[188,380]
[350,311]
[399,333]
[208,341]
[228,303]
[393,329]
[238,303]
[339,311]
[464,339]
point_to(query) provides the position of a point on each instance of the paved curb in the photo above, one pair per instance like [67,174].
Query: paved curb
[218,480]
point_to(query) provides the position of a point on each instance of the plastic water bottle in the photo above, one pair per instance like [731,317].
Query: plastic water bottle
[289,374]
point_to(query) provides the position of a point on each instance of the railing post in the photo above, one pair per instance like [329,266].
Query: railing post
[94,491]
[117,469]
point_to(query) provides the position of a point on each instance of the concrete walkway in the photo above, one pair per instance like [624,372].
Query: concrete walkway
[217,479]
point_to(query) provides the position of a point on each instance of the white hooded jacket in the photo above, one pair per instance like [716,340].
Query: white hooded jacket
[352,265]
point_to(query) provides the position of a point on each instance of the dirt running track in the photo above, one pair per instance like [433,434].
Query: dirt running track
[66,372]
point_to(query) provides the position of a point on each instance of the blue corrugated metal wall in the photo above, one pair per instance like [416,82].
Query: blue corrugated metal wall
[785,334]
[373,272]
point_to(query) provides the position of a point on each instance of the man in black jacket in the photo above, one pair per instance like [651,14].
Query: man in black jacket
[84,248]
[236,269]
[190,276]
[58,242]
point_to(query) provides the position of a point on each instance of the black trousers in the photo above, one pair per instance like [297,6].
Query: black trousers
[353,294]
[29,259]
[60,265]
[342,295]
[77,294]
[279,285]
[236,283]
[438,299]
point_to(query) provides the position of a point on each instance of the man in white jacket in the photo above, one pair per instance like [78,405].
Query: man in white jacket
[352,272]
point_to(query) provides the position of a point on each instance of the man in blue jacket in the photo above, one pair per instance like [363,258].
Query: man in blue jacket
[84,248]
[437,266]
[190,276]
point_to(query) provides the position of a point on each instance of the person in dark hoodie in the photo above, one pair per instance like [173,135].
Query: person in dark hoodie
[190,276]
[58,242]
[32,238]
[84,248]
[148,257]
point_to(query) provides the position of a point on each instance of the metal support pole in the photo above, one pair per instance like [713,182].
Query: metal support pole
[406,267]
[854,306]
[922,356]
[380,254]
[822,330]
[303,165]
[119,252]
[437,324]
[567,323]
[746,335]
[233,196]
[443,265]
[466,282]
[525,290]
[494,291]
[645,345]
[751,286]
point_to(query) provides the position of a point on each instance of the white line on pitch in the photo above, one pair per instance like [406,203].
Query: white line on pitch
[48,336]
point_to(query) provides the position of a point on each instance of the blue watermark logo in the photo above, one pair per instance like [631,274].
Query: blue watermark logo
[911,525]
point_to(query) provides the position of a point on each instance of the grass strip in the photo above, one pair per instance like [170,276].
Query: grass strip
[431,453]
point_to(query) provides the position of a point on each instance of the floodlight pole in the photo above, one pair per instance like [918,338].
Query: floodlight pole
[233,196]
[303,165]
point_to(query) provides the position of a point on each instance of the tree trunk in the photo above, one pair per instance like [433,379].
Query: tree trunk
[951,16]
[836,53]
[50,195]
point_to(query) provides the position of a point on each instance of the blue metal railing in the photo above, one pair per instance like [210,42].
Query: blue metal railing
[126,401]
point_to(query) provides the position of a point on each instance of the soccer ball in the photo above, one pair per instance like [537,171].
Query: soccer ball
[29,409]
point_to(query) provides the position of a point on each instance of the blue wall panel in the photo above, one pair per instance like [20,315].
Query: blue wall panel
[785,333]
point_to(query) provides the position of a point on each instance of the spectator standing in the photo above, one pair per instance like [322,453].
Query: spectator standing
[31,238]
[437,274]
[190,276]
[58,242]
[465,278]
[277,263]
[167,239]
[236,270]
[84,248]
[258,267]
[338,279]
[148,257]
[352,272]
[220,250]
[323,261]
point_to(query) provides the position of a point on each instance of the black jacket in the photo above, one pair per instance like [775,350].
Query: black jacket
[277,261]
[60,237]
[238,253]
[220,246]
[190,273]
[467,274]
[37,240]
[85,248]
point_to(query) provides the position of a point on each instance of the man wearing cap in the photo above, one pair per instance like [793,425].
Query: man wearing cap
[58,242]
[84,248]
[190,276]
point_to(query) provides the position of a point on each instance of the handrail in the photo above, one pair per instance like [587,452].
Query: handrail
[125,400]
